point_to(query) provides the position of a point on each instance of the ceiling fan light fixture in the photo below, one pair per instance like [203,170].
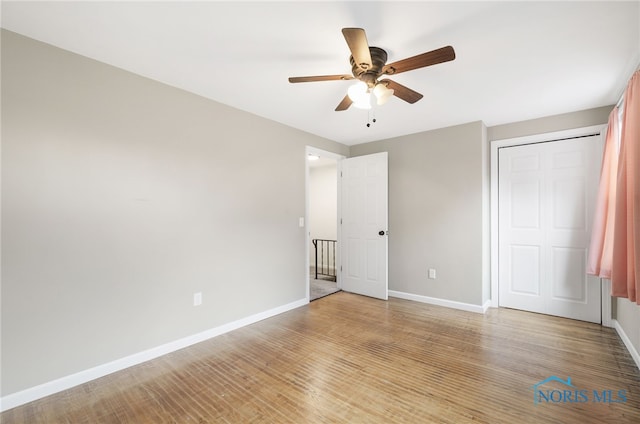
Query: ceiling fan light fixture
[364,103]
[382,93]
[360,95]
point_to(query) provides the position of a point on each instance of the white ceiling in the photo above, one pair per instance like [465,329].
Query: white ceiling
[515,60]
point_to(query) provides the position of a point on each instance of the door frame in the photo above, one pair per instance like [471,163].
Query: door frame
[495,145]
[309,150]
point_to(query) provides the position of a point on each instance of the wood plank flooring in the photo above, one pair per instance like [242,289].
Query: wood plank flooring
[350,359]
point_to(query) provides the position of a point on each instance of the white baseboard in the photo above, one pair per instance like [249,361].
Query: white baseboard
[33,393]
[441,302]
[488,304]
[627,342]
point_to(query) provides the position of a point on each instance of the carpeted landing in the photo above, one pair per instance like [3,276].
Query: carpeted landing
[321,287]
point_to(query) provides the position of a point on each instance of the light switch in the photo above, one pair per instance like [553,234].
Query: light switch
[301,222]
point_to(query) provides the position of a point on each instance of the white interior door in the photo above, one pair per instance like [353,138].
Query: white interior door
[364,225]
[546,200]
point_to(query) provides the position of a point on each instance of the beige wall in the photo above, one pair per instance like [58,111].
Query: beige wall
[436,211]
[627,314]
[323,204]
[566,121]
[121,197]
[323,201]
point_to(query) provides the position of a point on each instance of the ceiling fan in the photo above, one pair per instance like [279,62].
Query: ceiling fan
[368,64]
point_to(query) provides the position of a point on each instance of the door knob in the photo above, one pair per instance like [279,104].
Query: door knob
[381,233]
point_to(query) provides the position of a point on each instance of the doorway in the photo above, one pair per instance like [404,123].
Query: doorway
[361,221]
[322,223]
[544,195]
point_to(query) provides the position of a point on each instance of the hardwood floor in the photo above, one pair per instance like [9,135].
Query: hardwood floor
[349,359]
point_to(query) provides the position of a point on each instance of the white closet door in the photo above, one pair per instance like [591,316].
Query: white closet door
[546,201]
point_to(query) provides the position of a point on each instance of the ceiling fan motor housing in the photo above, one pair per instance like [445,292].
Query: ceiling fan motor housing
[369,74]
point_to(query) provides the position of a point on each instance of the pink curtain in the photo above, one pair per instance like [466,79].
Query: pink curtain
[625,270]
[601,248]
[615,241]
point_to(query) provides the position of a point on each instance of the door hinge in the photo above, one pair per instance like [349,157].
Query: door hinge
[340,221]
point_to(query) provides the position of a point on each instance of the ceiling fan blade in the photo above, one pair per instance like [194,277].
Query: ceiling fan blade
[357,41]
[321,78]
[344,104]
[444,54]
[399,90]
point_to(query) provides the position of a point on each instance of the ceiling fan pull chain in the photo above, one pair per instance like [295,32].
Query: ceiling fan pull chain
[369,119]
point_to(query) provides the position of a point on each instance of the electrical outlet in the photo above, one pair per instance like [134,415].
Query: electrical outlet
[432,273]
[197,299]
